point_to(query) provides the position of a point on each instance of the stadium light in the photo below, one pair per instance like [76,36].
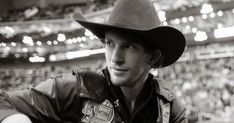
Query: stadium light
[82,45]
[39,43]
[25,49]
[184,19]
[61,37]
[200,36]
[47,29]
[13,44]
[194,30]
[74,54]
[79,39]
[3,44]
[55,42]
[92,37]
[28,40]
[69,41]
[49,42]
[220,13]
[188,27]
[224,32]
[165,23]
[177,21]
[206,8]
[36,59]
[162,15]
[83,38]
[52,58]
[78,54]
[212,14]
[204,16]
[220,25]
[191,18]
[83,53]
[9,29]
[88,33]
[7,48]
[74,40]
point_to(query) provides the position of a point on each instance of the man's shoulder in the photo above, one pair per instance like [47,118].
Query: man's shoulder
[55,84]
[90,78]
[165,89]
[84,82]
[87,78]
[92,84]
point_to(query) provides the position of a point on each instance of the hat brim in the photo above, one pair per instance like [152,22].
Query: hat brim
[170,40]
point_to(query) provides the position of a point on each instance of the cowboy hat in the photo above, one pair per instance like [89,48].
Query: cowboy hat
[140,17]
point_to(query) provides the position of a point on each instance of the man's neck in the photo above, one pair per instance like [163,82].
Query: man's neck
[131,93]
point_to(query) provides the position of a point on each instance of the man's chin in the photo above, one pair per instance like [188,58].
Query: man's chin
[118,82]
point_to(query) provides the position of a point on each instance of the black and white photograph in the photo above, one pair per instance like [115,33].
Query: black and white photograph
[116,61]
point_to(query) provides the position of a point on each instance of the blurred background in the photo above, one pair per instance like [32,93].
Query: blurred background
[39,39]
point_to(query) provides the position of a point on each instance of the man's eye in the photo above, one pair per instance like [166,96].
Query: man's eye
[108,42]
[129,46]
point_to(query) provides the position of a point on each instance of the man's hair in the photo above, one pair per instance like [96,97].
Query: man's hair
[159,64]
[139,39]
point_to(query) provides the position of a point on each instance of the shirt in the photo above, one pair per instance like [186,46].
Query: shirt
[90,97]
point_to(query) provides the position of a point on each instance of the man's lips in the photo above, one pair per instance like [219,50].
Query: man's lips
[119,69]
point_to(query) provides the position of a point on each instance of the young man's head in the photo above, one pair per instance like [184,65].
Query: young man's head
[135,41]
[128,58]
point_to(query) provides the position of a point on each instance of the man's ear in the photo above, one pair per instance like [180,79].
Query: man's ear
[154,57]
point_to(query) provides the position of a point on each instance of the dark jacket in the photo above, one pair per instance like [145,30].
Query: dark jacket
[90,97]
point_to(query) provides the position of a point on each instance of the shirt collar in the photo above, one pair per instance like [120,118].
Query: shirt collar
[161,87]
[146,91]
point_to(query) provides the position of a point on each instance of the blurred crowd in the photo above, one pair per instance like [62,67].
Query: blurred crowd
[54,11]
[16,78]
[205,87]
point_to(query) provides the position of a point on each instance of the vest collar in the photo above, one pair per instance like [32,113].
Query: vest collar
[96,86]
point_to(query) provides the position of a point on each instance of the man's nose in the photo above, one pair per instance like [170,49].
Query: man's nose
[118,56]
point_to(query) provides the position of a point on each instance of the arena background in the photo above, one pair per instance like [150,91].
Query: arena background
[39,39]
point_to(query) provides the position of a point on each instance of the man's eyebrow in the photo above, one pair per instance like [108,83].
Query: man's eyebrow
[106,38]
[134,41]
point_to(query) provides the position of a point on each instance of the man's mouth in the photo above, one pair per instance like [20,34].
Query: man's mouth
[118,70]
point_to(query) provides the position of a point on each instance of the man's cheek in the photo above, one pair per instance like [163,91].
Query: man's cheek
[108,58]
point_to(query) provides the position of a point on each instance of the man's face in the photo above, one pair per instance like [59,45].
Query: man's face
[126,59]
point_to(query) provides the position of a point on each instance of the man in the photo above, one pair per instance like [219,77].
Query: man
[123,92]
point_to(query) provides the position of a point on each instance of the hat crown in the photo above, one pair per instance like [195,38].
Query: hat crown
[134,14]
[141,18]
